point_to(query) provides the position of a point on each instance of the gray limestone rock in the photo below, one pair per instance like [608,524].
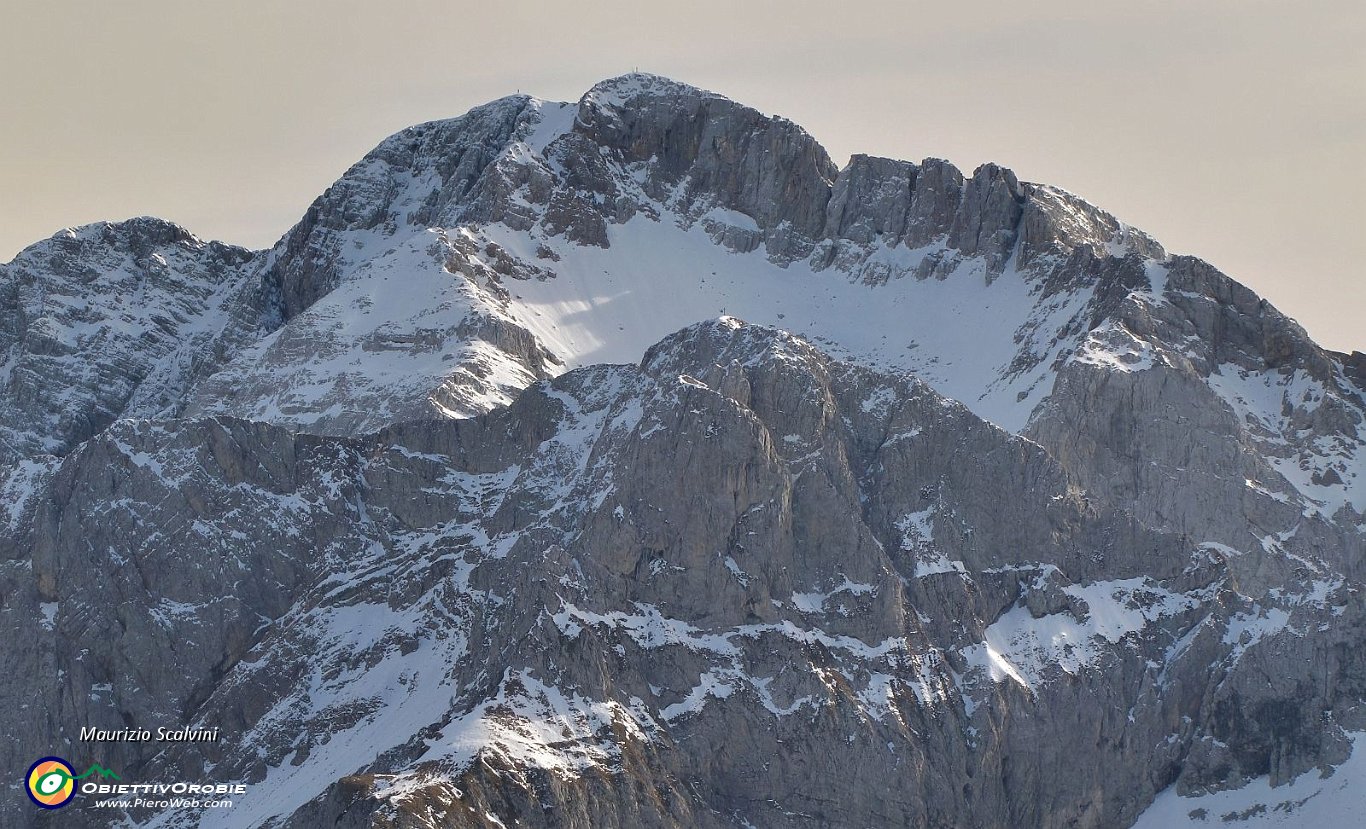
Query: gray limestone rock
[695,592]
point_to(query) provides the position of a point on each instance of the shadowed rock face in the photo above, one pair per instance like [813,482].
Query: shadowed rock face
[720,151]
[333,499]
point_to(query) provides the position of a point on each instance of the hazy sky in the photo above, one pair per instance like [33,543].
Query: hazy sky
[1230,129]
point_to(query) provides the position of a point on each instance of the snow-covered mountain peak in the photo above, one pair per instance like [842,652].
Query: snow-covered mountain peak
[919,472]
[464,258]
[621,90]
[109,320]
[140,237]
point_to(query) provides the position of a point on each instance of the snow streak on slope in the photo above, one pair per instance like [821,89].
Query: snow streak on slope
[347,708]
[1031,650]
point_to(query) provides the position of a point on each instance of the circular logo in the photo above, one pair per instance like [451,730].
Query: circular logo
[51,783]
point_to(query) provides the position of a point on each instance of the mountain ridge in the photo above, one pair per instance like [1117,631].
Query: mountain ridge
[491,179]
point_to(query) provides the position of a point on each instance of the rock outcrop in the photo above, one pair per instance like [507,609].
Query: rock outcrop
[112,320]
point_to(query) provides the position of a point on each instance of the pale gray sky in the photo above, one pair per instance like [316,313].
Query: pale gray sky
[1229,129]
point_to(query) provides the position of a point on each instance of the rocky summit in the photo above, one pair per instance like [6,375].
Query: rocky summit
[628,463]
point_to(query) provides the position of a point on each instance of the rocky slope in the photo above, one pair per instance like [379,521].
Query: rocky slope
[110,321]
[326,497]
[692,592]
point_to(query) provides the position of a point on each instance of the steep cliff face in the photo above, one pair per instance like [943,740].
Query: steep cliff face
[400,508]
[1211,414]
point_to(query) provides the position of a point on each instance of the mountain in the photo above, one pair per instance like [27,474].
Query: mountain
[954,480]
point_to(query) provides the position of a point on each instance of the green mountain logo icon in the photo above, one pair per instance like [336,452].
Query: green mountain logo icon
[96,768]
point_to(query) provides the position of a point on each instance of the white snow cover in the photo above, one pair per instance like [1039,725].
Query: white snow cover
[17,485]
[370,707]
[958,334]
[1260,399]
[1337,801]
[817,601]
[151,317]
[1247,629]
[1025,649]
[388,331]
[388,334]
[539,725]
